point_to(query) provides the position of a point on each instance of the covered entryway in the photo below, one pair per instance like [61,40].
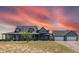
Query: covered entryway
[43,37]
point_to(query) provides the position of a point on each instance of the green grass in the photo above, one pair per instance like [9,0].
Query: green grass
[33,46]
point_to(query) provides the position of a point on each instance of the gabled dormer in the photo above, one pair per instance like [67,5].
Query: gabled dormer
[26,29]
[18,29]
[43,31]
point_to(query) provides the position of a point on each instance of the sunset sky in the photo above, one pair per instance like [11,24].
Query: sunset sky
[50,17]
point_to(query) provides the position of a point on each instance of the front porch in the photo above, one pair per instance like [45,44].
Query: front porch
[23,37]
[15,37]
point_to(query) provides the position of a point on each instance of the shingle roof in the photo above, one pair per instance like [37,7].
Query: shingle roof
[43,30]
[18,33]
[59,33]
[62,32]
[25,28]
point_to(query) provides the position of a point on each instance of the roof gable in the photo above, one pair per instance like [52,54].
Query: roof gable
[26,29]
[43,31]
[59,32]
[64,33]
[71,33]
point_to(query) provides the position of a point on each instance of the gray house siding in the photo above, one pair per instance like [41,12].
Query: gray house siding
[65,36]
[43,34]
[59,38]
[59,35]
[71,36]
[28,29]
[17,35]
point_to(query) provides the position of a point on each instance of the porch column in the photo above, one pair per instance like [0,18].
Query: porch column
[48,38]
[39,37]
[15,37]
[2,36]
[6,36]
[19,37]
[77,38]
[34,36]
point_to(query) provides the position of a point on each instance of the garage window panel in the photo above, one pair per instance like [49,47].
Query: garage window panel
[71,38]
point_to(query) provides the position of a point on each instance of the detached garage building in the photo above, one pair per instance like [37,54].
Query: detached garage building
[59,35]
[71,36]
[65,36]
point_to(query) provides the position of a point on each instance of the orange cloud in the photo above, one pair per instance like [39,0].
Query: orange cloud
[35,10]
[58,15]
[36,21]
[23,17]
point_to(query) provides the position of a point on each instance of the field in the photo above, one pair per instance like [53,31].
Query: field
[33,47]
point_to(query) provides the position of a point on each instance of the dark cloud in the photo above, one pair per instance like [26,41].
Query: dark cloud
[7,9]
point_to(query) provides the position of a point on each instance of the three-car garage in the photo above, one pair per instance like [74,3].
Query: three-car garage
[65,36]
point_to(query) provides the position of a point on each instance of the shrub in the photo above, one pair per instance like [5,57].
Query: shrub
[27,36]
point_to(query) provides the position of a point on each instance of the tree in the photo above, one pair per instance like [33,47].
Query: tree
[27,36]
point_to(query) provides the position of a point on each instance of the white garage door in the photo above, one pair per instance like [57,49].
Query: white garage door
[71,38]
[59,38]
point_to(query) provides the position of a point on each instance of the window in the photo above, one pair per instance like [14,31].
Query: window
[31,30]
[17,30]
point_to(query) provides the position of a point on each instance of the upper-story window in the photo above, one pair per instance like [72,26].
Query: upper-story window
[43,31]
[31,30]
[26,29]
[17,30]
